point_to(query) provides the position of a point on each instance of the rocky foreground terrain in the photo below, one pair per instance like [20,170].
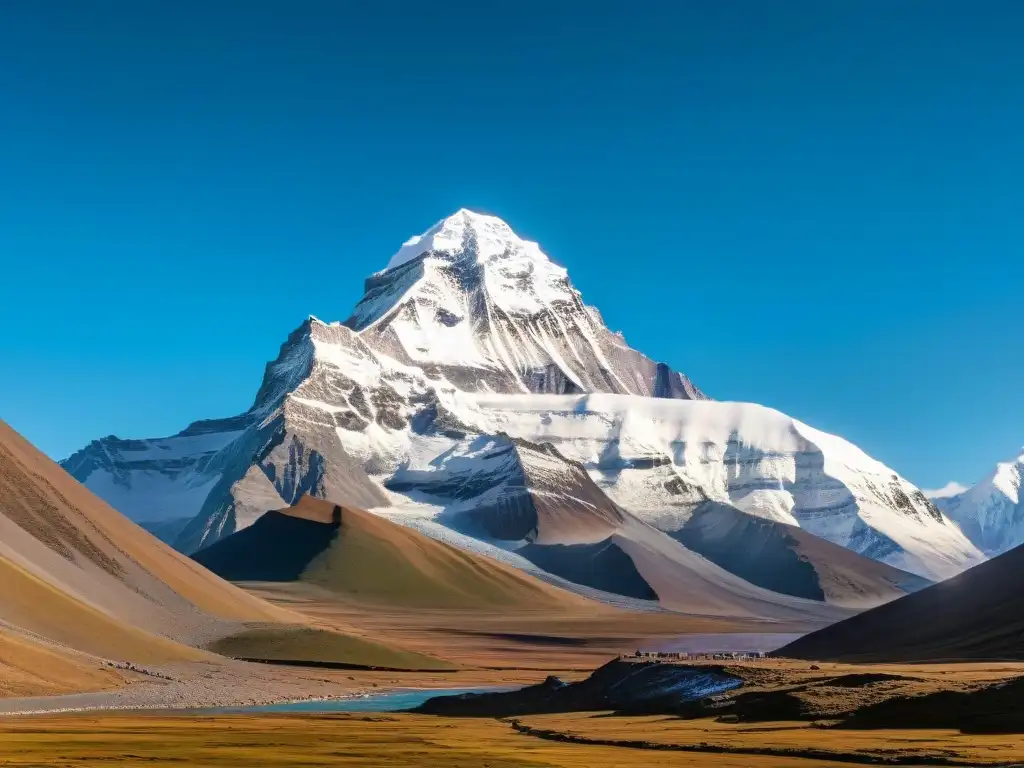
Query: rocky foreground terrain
[768,691]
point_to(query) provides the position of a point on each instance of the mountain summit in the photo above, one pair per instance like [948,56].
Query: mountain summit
[472,301]
[468,253]
[493,238]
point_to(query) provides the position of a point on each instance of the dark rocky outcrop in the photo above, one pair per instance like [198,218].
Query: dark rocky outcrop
[619,685]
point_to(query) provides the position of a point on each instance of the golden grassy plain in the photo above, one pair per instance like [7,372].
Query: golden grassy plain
[794,739]
[304,741]
[403,741]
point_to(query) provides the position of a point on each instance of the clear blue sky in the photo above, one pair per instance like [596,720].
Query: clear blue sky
[814,205]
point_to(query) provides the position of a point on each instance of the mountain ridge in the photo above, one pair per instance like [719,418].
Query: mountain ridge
[467,335]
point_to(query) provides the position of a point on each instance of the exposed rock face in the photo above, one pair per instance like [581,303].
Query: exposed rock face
[224,474]
[472,385]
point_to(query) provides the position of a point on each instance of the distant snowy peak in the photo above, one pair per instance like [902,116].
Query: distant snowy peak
[991,513]
[154,480]
[1007,477]
[472,302]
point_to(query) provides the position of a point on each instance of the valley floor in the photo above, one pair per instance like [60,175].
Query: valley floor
[408,740]
[488,648]
[799,743]
[468,647]
[542,640]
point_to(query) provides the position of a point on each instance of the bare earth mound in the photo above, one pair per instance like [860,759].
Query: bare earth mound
[362,556]
[978,615]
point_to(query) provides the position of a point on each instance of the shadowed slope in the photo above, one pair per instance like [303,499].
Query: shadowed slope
[974,616]
[601,566]
[365,557]
[277,547]
[790,560]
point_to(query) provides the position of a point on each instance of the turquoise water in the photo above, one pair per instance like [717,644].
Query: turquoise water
[393,701]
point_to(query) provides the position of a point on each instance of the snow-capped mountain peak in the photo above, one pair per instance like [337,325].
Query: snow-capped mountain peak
[459,269]
[472,340]
[1007,477]
[991,513]
[473,302]
[489,236]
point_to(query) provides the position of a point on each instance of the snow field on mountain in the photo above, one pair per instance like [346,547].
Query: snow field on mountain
[754,457]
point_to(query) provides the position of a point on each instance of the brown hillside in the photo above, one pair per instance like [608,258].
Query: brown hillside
[365,557]
[62,515]
[30,668]
[75,572]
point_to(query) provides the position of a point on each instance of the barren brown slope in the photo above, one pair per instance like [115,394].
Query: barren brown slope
[30,604]
[978,615]
[64,517]
[66,576]
[368,558]
[31,668]
[76,575]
